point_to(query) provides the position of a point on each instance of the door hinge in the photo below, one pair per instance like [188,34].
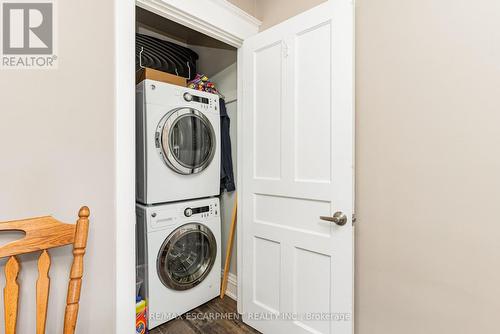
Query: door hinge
[284,49]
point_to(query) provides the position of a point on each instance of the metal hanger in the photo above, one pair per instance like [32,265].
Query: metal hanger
[140,57]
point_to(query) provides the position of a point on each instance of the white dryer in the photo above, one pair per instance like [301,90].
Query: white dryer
[178,143]
[181,244]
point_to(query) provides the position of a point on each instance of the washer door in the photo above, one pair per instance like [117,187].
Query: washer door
[185,139]
[186,256]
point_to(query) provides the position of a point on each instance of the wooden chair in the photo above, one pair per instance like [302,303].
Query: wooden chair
[42,234]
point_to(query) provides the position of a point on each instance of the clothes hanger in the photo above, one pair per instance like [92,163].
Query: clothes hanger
[140,57]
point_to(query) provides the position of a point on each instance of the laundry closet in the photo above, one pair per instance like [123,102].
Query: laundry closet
[295,164]
[186,166]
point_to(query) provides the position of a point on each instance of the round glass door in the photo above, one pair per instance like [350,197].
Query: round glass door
[186,256]
[187,140]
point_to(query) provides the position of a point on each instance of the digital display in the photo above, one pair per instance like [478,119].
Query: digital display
[201,209]
[200,99]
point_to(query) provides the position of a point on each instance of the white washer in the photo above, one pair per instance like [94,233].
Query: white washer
[178,143]
[181,243]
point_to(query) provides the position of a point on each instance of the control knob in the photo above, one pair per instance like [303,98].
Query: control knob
[188,97]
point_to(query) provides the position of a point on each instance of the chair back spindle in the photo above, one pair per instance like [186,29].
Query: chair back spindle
[11,294]
[42,291]
[75,282]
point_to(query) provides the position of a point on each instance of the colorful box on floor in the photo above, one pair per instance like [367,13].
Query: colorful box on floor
[140,316]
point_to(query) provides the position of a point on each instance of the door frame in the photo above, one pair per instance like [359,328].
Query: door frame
[216,18]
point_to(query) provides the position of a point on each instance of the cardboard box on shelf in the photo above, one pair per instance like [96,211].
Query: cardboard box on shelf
[152,74]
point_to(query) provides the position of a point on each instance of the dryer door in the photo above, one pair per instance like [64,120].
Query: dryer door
[185,139]
[186,256]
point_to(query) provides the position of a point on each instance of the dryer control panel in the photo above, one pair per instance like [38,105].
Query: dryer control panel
[190,97]
[202,211]
[205,102]
[161,93]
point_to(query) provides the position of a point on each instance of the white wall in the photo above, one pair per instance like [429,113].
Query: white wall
[57,153]
[226,82]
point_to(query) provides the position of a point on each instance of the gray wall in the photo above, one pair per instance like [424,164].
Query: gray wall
[276,11]
[428,166]
[249,6]
[57,148]
[271,12]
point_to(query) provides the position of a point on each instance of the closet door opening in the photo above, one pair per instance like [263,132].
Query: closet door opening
[178,251]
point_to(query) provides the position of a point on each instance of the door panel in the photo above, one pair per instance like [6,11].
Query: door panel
[267,274]
[313,105]
[297,165]
[291,213]
[307,297]
[267,112]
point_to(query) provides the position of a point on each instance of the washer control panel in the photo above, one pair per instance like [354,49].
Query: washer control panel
[168,216]
[203,211]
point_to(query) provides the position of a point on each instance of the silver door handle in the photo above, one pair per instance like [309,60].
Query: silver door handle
[338,218]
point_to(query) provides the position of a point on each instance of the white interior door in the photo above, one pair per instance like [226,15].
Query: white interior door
[295,269]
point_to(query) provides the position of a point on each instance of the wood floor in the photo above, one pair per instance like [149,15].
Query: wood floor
[218,316]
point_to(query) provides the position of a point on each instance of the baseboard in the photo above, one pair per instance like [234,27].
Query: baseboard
[232,285]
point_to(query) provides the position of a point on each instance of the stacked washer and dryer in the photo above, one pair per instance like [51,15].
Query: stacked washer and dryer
[178,215]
